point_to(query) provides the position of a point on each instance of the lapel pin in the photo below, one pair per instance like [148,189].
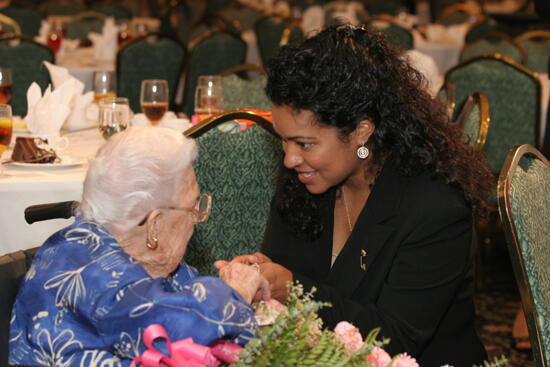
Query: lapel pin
[362,260]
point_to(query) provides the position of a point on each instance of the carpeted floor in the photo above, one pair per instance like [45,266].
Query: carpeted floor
[497,301]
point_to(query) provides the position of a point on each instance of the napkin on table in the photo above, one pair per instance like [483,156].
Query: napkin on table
[105,44]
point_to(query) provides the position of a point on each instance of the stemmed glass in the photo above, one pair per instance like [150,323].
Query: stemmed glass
[6,126]
[5,85]
[114,116]
[154,99]
[104,85]
[55,36]
[209,94]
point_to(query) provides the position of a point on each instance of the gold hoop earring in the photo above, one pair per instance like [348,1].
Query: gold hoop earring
[153,244]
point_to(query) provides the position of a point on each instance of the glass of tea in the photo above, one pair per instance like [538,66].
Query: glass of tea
[6,126]
[55,36]
[5,85]
[209,94]
[104,84]
[154,99]
[114,116]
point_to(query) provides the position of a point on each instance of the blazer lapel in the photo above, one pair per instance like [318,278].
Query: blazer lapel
[370,233]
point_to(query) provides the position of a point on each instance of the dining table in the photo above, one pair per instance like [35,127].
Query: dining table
[27,184]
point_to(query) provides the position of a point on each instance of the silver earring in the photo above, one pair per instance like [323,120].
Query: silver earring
[363,152]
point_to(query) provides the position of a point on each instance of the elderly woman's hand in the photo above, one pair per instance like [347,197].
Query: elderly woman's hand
[246,280]
[256,258]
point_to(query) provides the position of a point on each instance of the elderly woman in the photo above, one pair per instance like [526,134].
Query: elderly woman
[96,285]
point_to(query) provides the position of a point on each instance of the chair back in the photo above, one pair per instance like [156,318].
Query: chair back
[273,32]
[458,14]
[523,202]
[13,268]
[61,7]
[25,58]
[239,170]
[149,57]
[83,24]
[111,9]
[28,19]
[214,54]
[9,25]
[494,43]
[240,92]
[393,32]
[447,95]
[181,18]
[474,119]
[483,26]
[537,47]
[514,94]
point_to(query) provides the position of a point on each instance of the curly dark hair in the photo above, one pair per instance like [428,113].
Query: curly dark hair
[347,74]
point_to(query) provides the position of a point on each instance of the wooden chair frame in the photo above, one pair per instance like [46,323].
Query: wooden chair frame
[510,231]
[10,22]
[217,119]
[482,101]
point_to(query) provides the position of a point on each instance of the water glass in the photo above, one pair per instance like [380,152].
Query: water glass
[104,85]
[209,94]
[154,99]
[6,126]
[114,116]
[5,85]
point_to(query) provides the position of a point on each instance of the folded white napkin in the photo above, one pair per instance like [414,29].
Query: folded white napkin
[105,44]
[169,120]
[46,114]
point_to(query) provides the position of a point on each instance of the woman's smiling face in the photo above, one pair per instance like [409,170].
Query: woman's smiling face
[316,152]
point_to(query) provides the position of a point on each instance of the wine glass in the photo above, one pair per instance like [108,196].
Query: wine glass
[104,85]
[6,126]
[114,116]
[55,36]
[209,94]
[154,99]
[124,33]
[5,85]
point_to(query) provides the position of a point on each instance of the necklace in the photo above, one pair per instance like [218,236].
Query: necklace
[347,209]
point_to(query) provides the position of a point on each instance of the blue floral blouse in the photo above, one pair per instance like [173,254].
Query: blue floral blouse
[85,302]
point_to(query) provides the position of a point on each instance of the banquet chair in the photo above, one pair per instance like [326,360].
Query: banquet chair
[212,55]
[28,19]
[514,93]
[180,19]
[13,268]
[149,57]
[9,25]
[111,9]
[458,14]
[239,92]
[537,46]
[61,7]
[25,58]
[376,7]
[84,23]
[239,169]
[392,31]
[438,6]
[447,95]
[474,119]
[273,32]
[493,43]
[523,201]
[483,26]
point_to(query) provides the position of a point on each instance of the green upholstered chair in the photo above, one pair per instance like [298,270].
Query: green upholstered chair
[149,57]
[459,13]
[110,9]
[474,119]
[438,6]
[239,170]
[29,20]
[493,43]
[61,7]
[13,268]
[273,32]
[393,32]
[537,48]
[484,26]
[377,7]
[244,17]
[25,58]
[447,95]
[216,6]
[215,53]
[239,92]
[523,201]
[9,25]
[514,95]
[181,18]
[83,24]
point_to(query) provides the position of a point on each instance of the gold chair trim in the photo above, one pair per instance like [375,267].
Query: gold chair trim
[217,119]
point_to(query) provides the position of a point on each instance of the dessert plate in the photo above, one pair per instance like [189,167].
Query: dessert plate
[66,162]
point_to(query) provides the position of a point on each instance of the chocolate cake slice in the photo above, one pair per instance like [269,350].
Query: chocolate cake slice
[33,150]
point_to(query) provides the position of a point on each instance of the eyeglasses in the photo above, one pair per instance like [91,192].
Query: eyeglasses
[200,212]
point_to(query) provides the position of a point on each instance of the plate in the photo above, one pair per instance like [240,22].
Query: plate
[66,162]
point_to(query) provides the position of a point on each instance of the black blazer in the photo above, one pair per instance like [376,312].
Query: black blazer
[406,267]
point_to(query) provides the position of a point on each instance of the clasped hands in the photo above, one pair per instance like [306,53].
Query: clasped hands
[273,277]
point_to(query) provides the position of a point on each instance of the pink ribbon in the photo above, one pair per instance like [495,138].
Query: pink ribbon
[183,353]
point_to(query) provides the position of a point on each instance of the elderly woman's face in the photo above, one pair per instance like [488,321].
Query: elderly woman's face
[178,225]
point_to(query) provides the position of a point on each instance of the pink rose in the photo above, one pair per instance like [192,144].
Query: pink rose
[349,335]
[378,358]
[405,360]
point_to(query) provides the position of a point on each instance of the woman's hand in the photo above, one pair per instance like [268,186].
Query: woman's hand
[246,280]
[278,276]
[248,259]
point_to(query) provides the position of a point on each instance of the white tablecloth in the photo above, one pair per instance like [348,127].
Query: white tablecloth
[81,64]
[30,186]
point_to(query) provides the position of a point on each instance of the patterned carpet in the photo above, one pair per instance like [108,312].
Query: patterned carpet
[497,302]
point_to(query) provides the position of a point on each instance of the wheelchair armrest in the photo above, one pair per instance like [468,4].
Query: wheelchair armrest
[41,212]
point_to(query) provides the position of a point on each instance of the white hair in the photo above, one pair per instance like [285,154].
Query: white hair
[135,172]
